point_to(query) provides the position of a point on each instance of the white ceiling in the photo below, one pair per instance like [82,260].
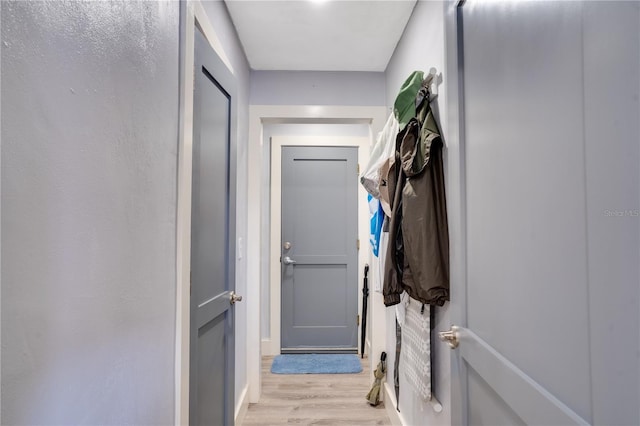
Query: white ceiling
[329,35]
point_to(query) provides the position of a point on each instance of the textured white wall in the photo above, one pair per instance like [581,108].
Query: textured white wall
[89,132]
[226,33]
[421,47]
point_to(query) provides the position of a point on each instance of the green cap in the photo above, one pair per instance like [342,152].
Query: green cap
[404,107]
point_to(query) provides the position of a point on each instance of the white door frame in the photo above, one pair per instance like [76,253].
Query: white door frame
[270,114]
[277,142]
[192,15]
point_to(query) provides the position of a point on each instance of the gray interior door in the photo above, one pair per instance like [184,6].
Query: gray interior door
[549,311]
[211,390]
[319,249]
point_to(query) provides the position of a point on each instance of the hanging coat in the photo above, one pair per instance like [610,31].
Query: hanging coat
[418,253]
[382,150]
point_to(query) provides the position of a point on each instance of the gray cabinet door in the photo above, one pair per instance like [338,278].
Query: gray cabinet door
[211,389]
[320,223]
[548,313]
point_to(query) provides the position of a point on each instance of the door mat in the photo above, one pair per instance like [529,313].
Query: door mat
[316,364]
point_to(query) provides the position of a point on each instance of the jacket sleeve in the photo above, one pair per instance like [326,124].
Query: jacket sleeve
[394,260]
[392,287]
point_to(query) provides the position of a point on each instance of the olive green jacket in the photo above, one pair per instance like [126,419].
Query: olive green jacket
[417,258]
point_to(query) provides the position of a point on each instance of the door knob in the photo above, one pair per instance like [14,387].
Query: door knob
[451,336]
[234,298]
[288,261]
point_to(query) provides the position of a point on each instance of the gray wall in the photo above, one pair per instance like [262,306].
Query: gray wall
[317,88]
[226,33]
[89,146]
[420,48]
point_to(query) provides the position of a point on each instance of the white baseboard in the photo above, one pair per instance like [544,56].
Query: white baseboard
[265,346]
[390,406]
[243,406]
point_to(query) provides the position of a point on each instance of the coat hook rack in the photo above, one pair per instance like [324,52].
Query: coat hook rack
[435,404]
[433,79]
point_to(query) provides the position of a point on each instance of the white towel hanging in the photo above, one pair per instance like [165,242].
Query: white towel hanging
[415,356]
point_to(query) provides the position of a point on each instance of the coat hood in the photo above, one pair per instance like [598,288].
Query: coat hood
[420,136]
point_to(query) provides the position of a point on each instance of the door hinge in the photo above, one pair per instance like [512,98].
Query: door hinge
[190,286]
[358,320]
[358,243]
[358,169]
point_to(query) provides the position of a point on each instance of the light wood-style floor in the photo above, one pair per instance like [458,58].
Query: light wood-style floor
[315,399]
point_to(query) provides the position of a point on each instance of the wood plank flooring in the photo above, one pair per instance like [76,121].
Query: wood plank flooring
[315,399]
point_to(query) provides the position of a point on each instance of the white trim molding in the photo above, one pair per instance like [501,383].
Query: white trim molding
[192,15]
[265,347]
[375,116]
[183,232]
[242,406]
[389,399]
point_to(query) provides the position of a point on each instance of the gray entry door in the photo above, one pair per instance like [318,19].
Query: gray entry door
[211,390]
[549,311]
[320,224]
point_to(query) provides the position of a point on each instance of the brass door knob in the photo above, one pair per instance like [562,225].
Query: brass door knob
[451,336]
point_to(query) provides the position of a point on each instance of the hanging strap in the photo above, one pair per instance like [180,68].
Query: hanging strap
[396,365]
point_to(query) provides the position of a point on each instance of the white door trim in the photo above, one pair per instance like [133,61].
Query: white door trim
[275,282]
[192,14]
[259,115]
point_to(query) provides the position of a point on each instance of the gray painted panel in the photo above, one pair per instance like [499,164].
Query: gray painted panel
[209,245]
[319,218]
[211,393]
[579,79]
[485,406]
[613,165]
[212,308]
[324,285]
[211,386]
[521,393]
[318,198]
[89,99]
[527,269]
[321,260]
